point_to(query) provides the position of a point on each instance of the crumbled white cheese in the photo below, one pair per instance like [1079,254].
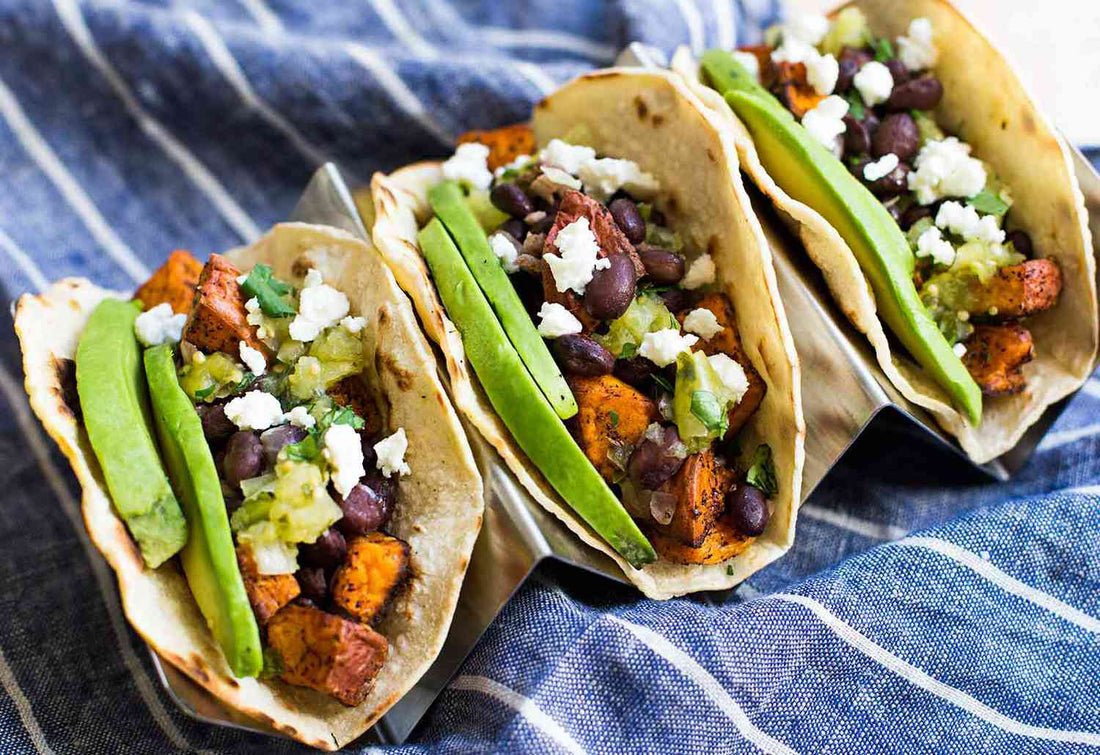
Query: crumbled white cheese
[748,61]
[299,416]
[568,157]
[932,244]
[959,349]
[159,325]
[560,177]
[242,278]
[944,168]
[700,273]
[505,250]
[874,82]
[822,73]
[703,322]
[555,320]
[917,50]
[516,164]
[254,410]
[825,123]
[881,167]
[391,454]
[605,176]
[579,258]
[344,452]
[793,50]
[469,164]
[731,374]
[963,220]
[253,359]
[808,27]
[353,324]
[319,306]
[313,278]
[663,346]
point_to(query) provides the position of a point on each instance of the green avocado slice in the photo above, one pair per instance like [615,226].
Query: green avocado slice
[518,401]
[451,208]
[209,560]
[809,173]
[115,405]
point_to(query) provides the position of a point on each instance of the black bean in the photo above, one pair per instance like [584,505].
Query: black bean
[871,122]
[544,225]
[215,425]
[916,94]
[313,584]
[857,139]
[675,299]
[635,371]
[509,198]
[244,458]
[652,463]
[611,290]
[370,458]
[893,183]
[850,61]
[274,439]
[1021,241]
[327,551]
[580,355]
[748,508]
[913,214]
[897,134]
[661,266]
[895,212]
[514,228]
[898,71]
[366,508]
[628,219]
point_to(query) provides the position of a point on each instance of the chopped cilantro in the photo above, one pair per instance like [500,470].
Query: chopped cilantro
[206,393]
[729,570]
[341,415]
[309,448]
[246,381]
[761,472]
[883,47]
[988,202]
[709,410]
[660,380]
[856,108]
[629,349]
[614,417]
[268,291]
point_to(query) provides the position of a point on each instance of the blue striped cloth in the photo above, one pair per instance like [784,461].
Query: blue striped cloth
[922,608]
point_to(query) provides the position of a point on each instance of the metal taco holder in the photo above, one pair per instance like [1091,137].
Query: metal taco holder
[517,534]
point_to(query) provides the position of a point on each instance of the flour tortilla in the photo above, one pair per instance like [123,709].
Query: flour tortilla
[651,118]
[986,105]
[438,514]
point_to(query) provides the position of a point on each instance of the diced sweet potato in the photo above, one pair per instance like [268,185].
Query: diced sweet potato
[763,55]
[994,357]
[376,566]
[609,413]
[173,283]
[326,652]
[505,143]
[266,592]
[218,318]
[354,392]
[567,299]
[723,542]
[700,488]
[792,88]
[1018,290]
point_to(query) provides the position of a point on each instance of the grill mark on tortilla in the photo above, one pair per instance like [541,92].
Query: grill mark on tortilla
[66,388]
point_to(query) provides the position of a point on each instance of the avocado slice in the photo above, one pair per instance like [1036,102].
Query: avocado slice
[115,406]
[451,208]
[518,401]
[811,174]
[209,560]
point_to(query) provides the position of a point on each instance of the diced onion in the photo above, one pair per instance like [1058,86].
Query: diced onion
[661,505]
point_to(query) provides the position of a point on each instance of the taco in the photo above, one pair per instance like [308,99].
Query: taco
[939,203]
[270,465]
[607,307]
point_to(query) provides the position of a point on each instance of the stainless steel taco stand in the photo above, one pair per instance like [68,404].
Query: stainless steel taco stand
[518,534]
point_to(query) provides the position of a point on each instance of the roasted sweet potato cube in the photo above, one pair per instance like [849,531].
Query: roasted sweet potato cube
[1018,291]
[995,355]
[567,299]
[792,88]
[763,55]
[610,413]
[722,542]
[574,206]
[375,568]
[505,143]
[173,283]
[326,652]
[354,392]
[266,592]
[218,320]
[700,488]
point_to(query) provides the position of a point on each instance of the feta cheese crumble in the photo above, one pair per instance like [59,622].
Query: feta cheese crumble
[700,273]
[963,220]
[822,73]
[825,123]
[253,359]
[808,27]
[731,374]
[159,325]
[663,346]
[568,157]
[579,258]
[254,410]
[748,61]
[256,317]
[605,176]
[703,322]
[469,164]
[519,162]
[391,454]
[555,321]
[881,167]
[313,278]
[959,349]
[353,324]
[874,82]
[944,168]
[793,50]
[505,251]
[560,177]
[344,452]
[319,306]
[299,416]
[917,50]
[932,244]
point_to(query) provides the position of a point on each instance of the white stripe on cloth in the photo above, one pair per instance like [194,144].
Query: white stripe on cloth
[23,705]
[265,17]
[535,75]
[1005,581]
[71,508]
[531,712]
[694,21]
[396,88]
[1091,387]
[70,189]
[400,28]
[919,678]
[727,30]
[204,180]
[23,260]
[1065,437]
[876,530]
[548,39]
[690,668]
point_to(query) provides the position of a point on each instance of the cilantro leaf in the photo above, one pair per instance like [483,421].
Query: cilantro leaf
[246,381]
[761,472]
[307,449]
[629,349]
[341,415]
[729,570]
[883,47]
[205,393]
[614,417]
[856,108]
[268,291]
[989,202]
[709,410]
